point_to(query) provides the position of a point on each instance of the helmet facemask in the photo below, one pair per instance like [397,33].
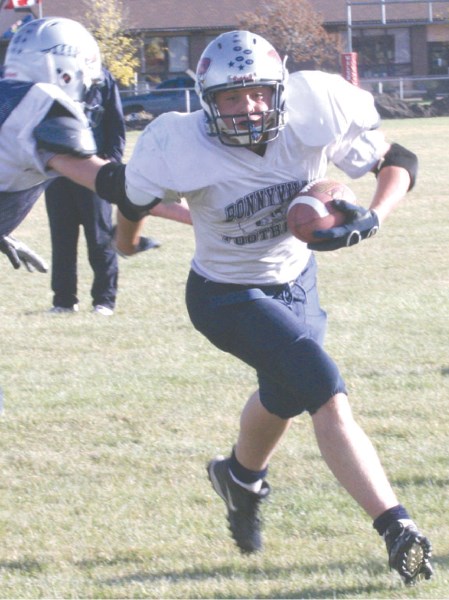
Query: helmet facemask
[233,133]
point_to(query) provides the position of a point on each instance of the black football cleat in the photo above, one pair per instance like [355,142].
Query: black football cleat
[242,505]
[408,551]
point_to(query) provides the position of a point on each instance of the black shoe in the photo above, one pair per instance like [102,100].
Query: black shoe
[242,505]
[408,551]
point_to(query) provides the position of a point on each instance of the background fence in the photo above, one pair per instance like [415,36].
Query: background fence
[408,88]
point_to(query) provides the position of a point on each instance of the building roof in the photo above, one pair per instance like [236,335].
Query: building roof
[162,14]
[173,15]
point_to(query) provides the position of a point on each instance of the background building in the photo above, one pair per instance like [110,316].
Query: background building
[400,39]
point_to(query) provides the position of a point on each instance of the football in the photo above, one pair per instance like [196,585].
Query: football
[312,208]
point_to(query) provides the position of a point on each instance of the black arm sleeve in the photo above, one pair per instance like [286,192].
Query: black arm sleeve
[398,156]
[110,185]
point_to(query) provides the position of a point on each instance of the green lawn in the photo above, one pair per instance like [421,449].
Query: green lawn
[108,423]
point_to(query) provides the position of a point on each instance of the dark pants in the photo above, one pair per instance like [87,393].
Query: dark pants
[69,206]
[278,330]
[15,206]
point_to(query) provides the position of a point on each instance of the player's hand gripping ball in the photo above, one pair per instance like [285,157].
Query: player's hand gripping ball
[313,209]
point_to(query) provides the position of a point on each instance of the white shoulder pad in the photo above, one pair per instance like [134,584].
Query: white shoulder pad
[322,107]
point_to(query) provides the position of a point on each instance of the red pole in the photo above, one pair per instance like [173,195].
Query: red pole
[349,67]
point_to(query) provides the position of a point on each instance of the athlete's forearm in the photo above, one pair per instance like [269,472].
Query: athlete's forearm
[396,174]
[85,171]
[80,170]
[392,186]
[175,211]
[127,235]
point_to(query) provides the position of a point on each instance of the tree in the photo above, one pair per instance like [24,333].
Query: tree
[104,19]
[295,29]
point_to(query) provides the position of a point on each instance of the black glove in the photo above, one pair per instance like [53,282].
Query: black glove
[19,253]
[360,224]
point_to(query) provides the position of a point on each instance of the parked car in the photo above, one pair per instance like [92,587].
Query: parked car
[172,94]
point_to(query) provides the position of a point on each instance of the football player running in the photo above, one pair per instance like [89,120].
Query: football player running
[252,286]
[50,65]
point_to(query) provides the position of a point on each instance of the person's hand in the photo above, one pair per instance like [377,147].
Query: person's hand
[360,224]
[144,244]
[19,254]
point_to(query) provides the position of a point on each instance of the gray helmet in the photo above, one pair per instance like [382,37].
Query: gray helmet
[238,59]
[55,50]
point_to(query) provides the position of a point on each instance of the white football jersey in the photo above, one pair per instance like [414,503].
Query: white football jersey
[21,166]
[238,199]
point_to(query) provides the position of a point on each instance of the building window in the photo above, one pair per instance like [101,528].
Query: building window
[438,58]
[375,55]
[155,56]
[383,52]
[178,54]
[163,56]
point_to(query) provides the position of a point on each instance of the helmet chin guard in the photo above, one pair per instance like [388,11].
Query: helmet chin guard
[235,60]
[55,50]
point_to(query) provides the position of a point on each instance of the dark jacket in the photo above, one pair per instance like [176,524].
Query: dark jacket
[109,132]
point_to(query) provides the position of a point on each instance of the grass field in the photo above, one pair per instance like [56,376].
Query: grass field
[108,423]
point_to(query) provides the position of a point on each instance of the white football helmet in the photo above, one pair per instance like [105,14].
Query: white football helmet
[55,50]
[239,59]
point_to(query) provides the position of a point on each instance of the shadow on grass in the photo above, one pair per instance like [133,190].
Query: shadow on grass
[26,565]
[254,574]
[421,480]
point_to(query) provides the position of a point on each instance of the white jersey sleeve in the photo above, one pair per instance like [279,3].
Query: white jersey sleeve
[328,111]
[21,165]
[163,159]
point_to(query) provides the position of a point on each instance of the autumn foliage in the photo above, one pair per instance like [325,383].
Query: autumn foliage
[104,19]
[295,29]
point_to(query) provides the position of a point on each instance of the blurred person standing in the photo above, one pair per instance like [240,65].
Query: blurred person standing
[70,206]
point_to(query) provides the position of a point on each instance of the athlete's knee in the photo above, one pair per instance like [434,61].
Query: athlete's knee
[335,418]
[307,380]
[337,409]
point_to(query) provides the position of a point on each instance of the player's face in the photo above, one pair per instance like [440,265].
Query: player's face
[240,104]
